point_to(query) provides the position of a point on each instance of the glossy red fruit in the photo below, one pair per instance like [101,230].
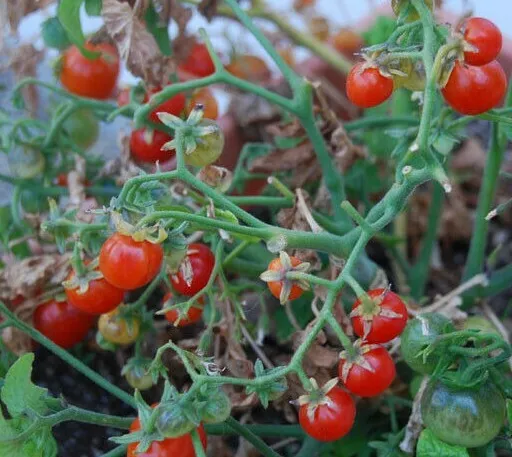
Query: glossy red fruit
[202,261]
[62,323]
[384,317]
[181,446]
[198,62]
[93,78]
[474,90]
[367,87]
[363,381]
[129,264]
[100,296]
[332,420]
[194,314]
[146,146]
[483,35]
[173,105]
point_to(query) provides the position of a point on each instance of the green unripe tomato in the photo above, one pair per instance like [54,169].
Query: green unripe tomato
[463,417]
[138,377]
[217,409]
[480,323]
[26,162]
[418,334]
[172,422]
[82,127]
[208,147]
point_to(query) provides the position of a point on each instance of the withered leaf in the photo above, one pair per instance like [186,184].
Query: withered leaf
[137,47]
[249,108]
[208,8]
[283,160]
[122,167]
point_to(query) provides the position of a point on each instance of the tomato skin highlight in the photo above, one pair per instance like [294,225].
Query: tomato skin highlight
[275,287]
[151,152]
[202,261]
[100,297]
[486,37]
[198,62]
[383,329]
[475,90]
[62,323]
[169,447]
[331,421]
[463,417]
[90,78]
[365,383]
[366,87]
[129,264]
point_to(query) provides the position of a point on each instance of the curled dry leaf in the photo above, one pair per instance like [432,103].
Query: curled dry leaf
[344,151]
[122,167]
[219,178]
[318,355]
[23,62]
[136,45]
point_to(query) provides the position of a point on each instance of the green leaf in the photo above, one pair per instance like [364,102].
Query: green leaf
[93,7]
[54,35]
[430,446]
[69,16]
[284,142]
[382,28]
[159,30]
[19,394]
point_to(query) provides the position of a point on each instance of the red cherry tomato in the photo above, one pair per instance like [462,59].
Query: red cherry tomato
[331,420]
[129,264]
[62,323]
[251,68]
[198,62]
[202,261]
[365,383]
[123,96]
[366,87]
[100,296]
[483,35]
[385,321]
[146,146]
[475,90]
[62,180]
[204,97]
[193,314]
[174,105]
[347,41]
[95,78]
[181,446]
[275,287]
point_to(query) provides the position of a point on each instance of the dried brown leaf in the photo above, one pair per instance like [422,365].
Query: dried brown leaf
[284,160]
[136,45]
[318,355]
[249,108]
[344,151]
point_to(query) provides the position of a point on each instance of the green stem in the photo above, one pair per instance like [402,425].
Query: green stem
[310,448]
[119,451]
[499,281]
[266,430]
[255,440]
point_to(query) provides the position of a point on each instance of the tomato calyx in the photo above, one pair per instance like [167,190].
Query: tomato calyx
[138,234]
[356,358]
[281,276]
[317,397]
[80,279]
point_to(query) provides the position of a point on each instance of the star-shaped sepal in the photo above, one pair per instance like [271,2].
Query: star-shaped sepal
[356,357]
[317,397]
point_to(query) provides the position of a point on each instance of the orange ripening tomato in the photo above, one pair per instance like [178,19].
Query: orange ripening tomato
[275,287]
[347,41]
[204,97]
[249,67]
[93,78]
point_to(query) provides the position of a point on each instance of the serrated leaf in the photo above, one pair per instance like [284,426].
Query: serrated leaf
[19,393]
[93,7]
[430,446]
[68,13]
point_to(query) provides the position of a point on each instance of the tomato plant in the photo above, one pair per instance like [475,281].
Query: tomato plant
[94,78]
[173,105]
[463,417]
[195,270]
[485,37]
[146,146]
[83,128]
[62,323]
[367,87]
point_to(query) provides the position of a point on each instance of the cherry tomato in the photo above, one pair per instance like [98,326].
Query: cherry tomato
[417,335]
[129,264]
[483,35]
[412,14]
[181,446]
[463,417]
[204,97]
[173,105]
[347,41]
[201,261]
[249,67]
[173,316]
[363,382]
[208,147]
[100,296]
[26,162]
[138,377]
[62,323]
[475,90]
[384,319]
[331,420]
[217,408]
[123,96]
[198,63]
[90,78]
[146,146]
[319,27]
[116,329]
[83,128]
[275,287]
[367,87]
